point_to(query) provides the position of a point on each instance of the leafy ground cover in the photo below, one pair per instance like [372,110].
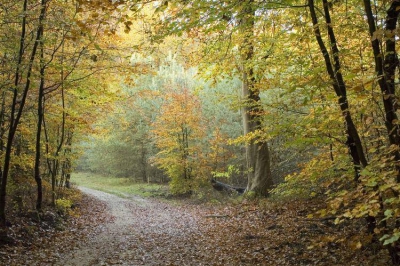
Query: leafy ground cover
[34,242]
[109,230]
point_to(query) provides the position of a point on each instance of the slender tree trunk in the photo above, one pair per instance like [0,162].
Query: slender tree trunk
[14,120]
[37,176]
[333,68]
[144,162]
[11,132]
[67,168]
[386,63]
[2,128]
[385,67]
[53,164]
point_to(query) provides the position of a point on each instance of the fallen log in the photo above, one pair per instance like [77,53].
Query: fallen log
[217,185]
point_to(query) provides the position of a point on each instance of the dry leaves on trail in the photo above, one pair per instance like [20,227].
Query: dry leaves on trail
[281,234]
[160,233]
[43,244]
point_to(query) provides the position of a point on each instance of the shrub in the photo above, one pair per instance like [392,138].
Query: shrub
[63,206]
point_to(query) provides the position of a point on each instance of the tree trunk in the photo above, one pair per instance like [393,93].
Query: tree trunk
[54,164]
[257,152]
[333,68]
[14,120]
[67,167]
[38,147]
[144,162]
[386,63]
[2,128]
[385,67]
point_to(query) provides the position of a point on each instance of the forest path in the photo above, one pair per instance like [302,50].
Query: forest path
[141,232]
[110,230]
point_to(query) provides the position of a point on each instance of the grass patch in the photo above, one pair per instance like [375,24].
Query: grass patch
[122,187]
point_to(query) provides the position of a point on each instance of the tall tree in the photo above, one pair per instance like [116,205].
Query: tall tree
[386,64]
[229,32]
[257,151]
[177,134]
[333,68]
[18,105]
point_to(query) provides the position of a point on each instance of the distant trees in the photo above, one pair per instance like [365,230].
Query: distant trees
[177,131]
[170,120]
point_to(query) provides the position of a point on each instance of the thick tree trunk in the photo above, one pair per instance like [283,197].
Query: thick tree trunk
[257,152]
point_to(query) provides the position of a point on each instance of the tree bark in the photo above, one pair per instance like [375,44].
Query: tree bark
[2,128]
[333,68]
[257,151]
[386,64]
[385,67]
[40,115]
[66,169]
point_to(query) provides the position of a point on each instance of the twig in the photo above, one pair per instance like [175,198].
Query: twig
[217,216]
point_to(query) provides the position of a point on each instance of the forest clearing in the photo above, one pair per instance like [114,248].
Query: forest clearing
[206,132]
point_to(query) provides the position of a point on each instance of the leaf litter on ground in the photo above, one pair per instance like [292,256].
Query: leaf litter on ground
[154,232]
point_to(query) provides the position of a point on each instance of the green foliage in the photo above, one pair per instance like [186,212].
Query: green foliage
[390,239]
[231,170]
[250,195]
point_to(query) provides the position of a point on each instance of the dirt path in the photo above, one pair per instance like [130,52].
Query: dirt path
[134,231]
[142,232]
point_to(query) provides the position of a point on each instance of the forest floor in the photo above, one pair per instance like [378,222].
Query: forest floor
[139,231]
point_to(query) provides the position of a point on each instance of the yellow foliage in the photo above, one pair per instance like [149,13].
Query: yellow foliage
[63,205]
